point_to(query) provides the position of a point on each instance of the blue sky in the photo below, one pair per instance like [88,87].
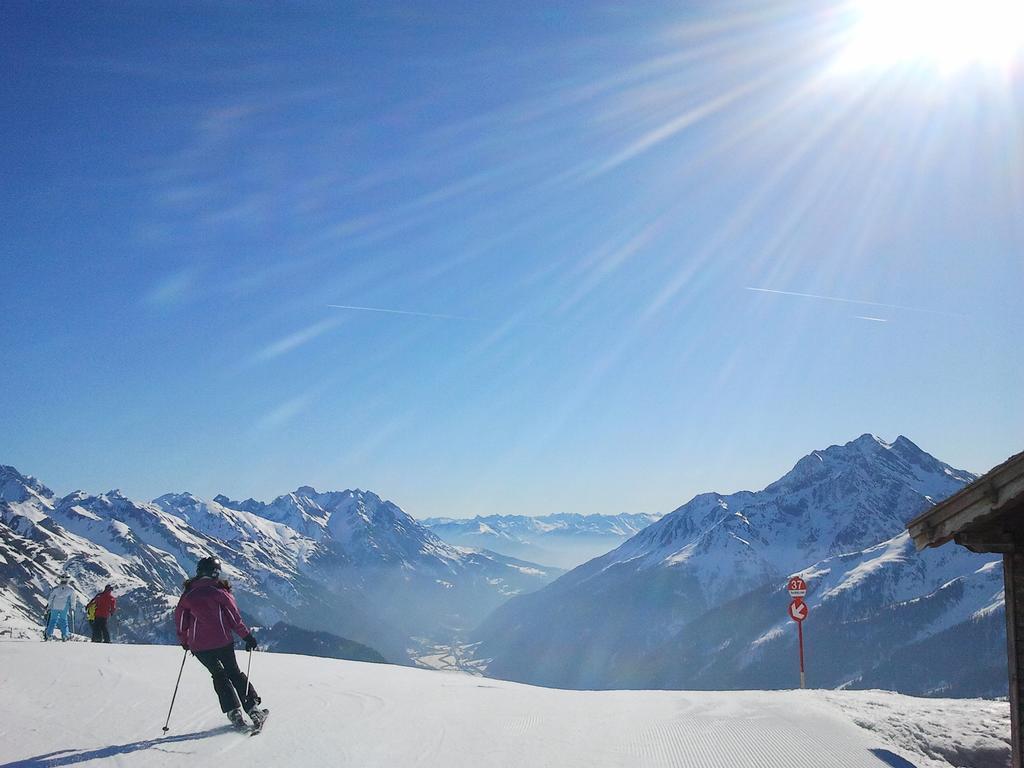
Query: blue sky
[577,200]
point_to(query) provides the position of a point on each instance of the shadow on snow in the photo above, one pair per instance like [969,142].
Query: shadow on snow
[887,757]
[72,756]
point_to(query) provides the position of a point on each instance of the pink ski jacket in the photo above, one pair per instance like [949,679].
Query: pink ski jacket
[206,615]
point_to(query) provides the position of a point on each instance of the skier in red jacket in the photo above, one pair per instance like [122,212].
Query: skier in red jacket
[105,606]
[205,618]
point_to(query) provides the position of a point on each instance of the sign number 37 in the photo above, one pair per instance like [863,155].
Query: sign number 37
[796,587]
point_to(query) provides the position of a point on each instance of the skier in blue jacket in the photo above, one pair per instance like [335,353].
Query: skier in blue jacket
[58,608]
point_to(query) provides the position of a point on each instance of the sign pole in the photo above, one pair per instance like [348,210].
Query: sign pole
[800,632]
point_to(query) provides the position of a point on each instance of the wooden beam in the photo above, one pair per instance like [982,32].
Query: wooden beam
[987,540]
[981,512]
[1013,583]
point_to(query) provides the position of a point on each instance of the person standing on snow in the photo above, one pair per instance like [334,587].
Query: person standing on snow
[205,618]
[90,616]
[103,606]
[58,608]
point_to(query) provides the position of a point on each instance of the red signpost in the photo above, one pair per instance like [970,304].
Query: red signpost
[798,611]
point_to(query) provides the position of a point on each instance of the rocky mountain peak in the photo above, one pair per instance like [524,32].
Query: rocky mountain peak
[16,487]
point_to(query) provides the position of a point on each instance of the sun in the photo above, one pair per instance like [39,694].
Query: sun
[946,35]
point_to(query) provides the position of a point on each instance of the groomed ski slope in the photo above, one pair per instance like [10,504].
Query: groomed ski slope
[93,705]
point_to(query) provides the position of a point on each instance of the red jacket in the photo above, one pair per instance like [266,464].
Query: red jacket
[106,604]
[206,615]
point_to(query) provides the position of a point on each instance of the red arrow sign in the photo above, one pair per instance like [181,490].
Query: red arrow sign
[798,609]
[796,587]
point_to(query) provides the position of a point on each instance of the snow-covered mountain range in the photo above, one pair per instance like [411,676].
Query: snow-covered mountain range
[697,599]
[345,562]
[694,599]
[564,540]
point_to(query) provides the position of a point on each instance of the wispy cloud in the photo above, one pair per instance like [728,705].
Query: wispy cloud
[284,413]
[295,340]
[171,289]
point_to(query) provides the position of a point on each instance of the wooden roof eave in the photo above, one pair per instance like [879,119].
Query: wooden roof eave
[977,505]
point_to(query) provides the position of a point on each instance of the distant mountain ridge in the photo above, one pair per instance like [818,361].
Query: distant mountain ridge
[565,539]
[346,562]
[634,616]
[284,638]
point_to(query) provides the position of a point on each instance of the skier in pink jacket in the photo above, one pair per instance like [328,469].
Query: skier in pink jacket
[205,618]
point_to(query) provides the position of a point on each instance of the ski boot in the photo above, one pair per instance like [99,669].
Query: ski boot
[258,717]
[235,716]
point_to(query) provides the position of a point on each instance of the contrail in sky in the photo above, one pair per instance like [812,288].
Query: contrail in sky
[872,319]
[854,301]
[400,312]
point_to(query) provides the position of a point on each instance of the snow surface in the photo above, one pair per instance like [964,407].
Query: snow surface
[104,705]
[967,732]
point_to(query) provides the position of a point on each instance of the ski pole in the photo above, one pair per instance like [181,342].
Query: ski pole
[248,682]
[167,724]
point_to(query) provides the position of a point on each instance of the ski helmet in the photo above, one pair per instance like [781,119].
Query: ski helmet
[208,566]
[65,579]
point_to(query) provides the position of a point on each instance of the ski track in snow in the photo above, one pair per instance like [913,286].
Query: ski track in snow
[57,709]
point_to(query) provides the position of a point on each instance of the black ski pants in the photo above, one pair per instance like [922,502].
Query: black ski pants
[229,681]
[100,633]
